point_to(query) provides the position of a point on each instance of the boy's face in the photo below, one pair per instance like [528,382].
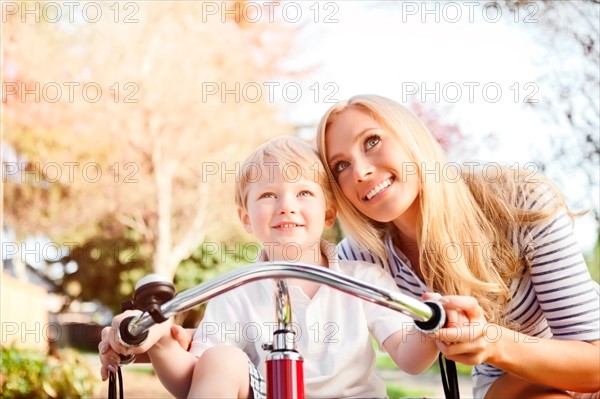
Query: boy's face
[286,212]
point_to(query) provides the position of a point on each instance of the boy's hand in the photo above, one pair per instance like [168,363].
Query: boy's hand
[110,347]
[182,336]
[109,359]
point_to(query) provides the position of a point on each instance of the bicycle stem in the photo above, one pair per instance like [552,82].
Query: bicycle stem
[421,312]
[284,365]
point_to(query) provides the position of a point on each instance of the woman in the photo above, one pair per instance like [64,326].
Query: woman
[499,246]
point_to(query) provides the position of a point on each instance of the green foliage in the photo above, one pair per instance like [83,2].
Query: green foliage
[212,259]
[384,362]
[27,373]
[208,262]
[396,391]
[334,234]
[593,261]
[107,270]
[461,369]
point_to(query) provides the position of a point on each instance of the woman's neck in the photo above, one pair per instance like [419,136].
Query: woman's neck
[409,246]
[406,224]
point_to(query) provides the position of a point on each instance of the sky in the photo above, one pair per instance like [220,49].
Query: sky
[477,69]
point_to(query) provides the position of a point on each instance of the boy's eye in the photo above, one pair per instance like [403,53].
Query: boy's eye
[339,166]
[372,141]
[267,195]
[305,193]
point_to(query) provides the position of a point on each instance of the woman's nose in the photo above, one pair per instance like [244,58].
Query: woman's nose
[361,170]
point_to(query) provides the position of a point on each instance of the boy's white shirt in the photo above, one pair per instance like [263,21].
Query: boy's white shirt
[332,329]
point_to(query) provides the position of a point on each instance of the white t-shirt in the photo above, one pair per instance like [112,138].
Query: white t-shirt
[332,330]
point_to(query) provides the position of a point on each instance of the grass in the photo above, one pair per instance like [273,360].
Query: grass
[385,362]
[141,369]
[395,391]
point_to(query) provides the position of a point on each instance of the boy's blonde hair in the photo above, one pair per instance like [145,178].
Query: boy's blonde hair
[294,156]
[473,212]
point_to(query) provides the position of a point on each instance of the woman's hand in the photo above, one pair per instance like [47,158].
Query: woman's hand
[454,317]
[463,338]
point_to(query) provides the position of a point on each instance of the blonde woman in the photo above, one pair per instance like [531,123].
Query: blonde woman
[498,244]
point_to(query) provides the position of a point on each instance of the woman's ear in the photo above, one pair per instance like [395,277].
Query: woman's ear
[330,214]
[245,219]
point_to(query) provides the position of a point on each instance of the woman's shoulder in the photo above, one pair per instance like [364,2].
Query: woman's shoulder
[350,249]
[514,188]
[538,195]
[364,271]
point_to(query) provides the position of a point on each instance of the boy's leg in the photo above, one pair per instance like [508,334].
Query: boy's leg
[224,372]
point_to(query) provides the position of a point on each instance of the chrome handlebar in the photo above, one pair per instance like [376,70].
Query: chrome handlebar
[428,316]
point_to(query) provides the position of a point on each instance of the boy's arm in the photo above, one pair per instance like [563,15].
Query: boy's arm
[173,365]
[411,350]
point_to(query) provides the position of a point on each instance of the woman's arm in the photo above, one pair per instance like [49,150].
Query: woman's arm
[564,364]
[555,309]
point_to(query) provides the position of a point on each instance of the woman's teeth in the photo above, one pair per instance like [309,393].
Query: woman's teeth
[379,188]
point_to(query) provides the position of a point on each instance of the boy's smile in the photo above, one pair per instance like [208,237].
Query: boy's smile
[289,214]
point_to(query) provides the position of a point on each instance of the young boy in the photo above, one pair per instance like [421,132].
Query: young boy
[284,200]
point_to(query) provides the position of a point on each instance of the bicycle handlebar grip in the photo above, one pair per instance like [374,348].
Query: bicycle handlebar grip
[128,339]
[437,320]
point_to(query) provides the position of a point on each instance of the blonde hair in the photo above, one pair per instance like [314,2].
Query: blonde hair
[293,156]
[471,214]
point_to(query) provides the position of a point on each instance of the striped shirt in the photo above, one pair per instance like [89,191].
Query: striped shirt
[554,298]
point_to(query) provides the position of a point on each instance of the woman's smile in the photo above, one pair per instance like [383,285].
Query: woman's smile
[367,161]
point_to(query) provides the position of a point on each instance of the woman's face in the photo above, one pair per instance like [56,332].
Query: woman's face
[372,168]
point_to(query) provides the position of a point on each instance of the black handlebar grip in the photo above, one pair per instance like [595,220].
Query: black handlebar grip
[437,320]
[128,338]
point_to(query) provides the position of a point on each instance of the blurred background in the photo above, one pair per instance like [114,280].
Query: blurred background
[124,122]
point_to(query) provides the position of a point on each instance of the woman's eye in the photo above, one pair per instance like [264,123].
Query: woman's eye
[372,141]
[338,167]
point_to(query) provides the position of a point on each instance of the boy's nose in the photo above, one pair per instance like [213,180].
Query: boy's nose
[287,205]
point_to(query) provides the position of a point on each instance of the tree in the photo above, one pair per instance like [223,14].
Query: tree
[136,121]
[570,34]
[447,134]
